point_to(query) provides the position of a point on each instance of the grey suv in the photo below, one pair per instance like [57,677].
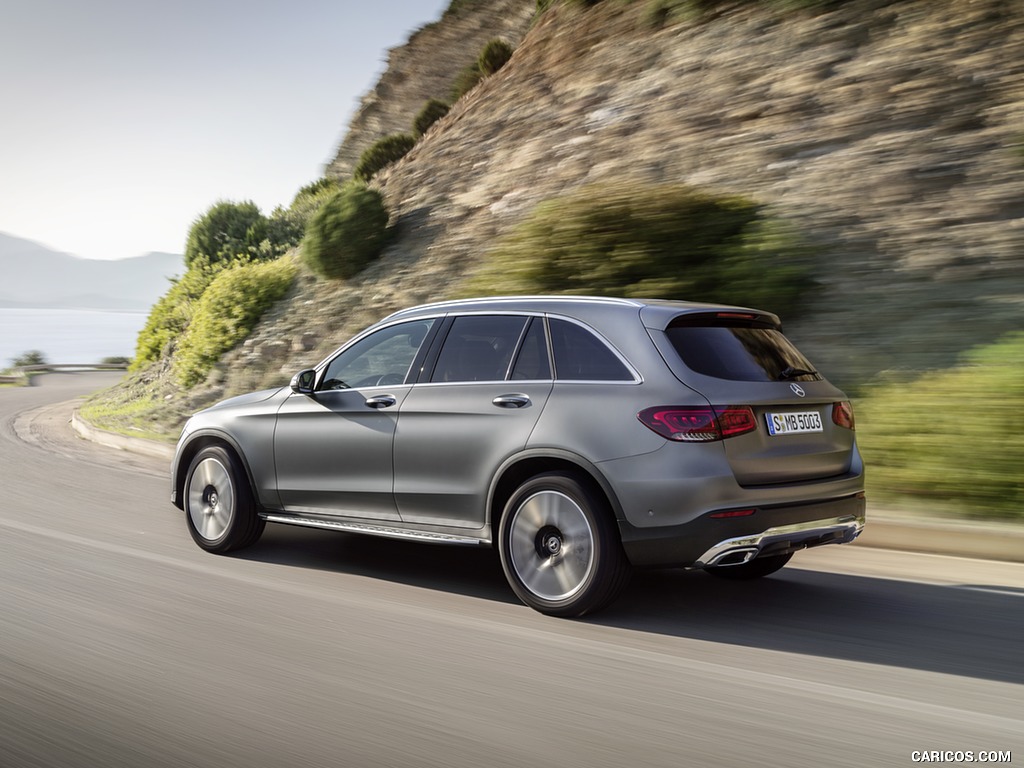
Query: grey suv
[582,436]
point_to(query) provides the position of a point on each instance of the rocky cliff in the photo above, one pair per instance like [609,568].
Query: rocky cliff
[889,133]
[425,68]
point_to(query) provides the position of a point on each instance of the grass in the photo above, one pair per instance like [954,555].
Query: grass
[951,441]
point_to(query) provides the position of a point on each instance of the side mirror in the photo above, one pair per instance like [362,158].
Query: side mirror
[303,381]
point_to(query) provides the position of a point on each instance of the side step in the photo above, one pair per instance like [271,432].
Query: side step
[374,530]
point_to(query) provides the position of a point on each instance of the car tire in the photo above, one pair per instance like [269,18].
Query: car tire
[560,548]
[755,569]
[219,506]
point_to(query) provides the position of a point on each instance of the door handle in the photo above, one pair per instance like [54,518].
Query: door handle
[511,401]
[381,401]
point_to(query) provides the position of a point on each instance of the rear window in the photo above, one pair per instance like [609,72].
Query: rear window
[739,352]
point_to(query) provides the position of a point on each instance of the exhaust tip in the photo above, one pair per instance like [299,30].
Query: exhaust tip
[735,557]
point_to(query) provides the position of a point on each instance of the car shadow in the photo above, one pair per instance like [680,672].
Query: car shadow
[471,571]
[968,630]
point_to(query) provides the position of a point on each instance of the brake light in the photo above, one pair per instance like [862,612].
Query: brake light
[842,414]
[698,424]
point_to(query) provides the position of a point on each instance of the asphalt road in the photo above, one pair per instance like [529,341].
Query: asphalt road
[123,644]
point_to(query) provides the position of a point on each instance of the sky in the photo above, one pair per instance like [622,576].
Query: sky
[122,121]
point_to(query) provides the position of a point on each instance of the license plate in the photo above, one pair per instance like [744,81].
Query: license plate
[793,423]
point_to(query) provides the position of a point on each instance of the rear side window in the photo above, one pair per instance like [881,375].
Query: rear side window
[532,363]
[740,352]
[479,348]
[581,356]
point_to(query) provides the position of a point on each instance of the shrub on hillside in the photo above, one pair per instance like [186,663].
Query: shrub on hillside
[494,56]
[670,242]
[229,230]
[966,456]
[226,230]
[172,313]
[315,192]
[466,81]
[382,153]
[347,233]
[286,226]
[227,312]
[432,111]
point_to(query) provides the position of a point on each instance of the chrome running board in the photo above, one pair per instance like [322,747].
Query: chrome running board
[743,549]
[374,530]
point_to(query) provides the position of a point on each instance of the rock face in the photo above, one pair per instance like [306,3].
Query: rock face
[425,68]
[890,133]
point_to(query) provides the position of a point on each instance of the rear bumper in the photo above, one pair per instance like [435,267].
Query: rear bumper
[776,530]
[781,540]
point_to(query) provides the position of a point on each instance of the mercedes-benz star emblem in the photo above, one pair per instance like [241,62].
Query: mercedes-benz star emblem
[797,390]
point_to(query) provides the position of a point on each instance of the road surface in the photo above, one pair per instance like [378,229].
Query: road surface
[123,644]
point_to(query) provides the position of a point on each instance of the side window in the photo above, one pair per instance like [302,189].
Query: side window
[478,348]
[381,359]
[581,356]
[532,363]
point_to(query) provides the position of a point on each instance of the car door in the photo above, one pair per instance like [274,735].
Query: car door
[483,397]
[333,448]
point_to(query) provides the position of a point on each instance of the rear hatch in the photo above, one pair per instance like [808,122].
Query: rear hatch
[802,425]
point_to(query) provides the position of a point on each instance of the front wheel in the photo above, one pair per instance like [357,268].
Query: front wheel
[559,546]
[219,506]
[755,569]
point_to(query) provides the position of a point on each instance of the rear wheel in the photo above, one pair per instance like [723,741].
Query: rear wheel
[219,506]
[559,546]
[755,569]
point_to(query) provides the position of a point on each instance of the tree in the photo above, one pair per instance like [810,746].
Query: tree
[32,357]
[225,231]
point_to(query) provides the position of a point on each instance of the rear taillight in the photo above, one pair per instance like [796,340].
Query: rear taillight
[698,424]
[842,414]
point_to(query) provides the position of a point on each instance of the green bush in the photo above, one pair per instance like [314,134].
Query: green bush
[466,81]
[347,233]
[225,231]
[172,313]
[229,309]
[432,111]
[316,191]
[664,241]
[229,230]
[494,56]
[285,227]
[383,153]
[951,439]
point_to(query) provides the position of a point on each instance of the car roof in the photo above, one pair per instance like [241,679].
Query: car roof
[655,312]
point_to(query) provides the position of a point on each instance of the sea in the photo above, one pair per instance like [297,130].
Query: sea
[68,335]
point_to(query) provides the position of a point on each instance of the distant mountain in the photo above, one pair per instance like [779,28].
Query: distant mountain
[32,275]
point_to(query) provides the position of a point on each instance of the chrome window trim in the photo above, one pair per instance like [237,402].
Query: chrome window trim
[397,319]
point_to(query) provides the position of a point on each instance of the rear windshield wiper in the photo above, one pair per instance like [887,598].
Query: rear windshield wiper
[790,372]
